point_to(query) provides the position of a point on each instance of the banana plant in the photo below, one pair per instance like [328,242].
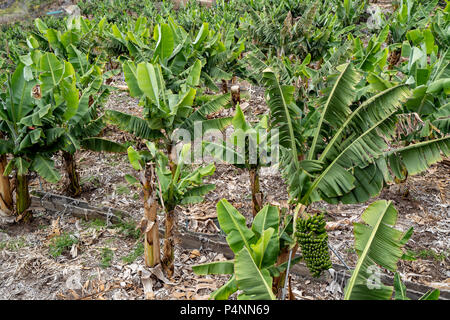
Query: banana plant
[221,57]
[173,188]
[85,128]
[291,71]
[225,13]
[30,137]
[248,147]
[428,73]
[312,31]
[218,52]
[347,158]
[350,11]
[378,244]
[80,35]
[410,14]
[143,161]
[372,56]
[81,43]
[256,251]
[80,123]
[440,26]
[76,45]
[178,54]
[165,112]
[130,41]
[207,53]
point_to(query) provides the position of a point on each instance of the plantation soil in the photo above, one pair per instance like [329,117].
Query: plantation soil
[106,262]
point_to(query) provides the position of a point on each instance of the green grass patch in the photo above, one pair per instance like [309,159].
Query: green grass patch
[61,243]
[122,189]
[13,244]
[137,252]
[128,229]
[107,255]
[43,226]
[429,254]
[96,224]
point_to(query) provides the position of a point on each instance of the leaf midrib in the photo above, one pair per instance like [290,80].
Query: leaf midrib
[322,117]
[319,178]
[363,105]
[269,290]
[364,254]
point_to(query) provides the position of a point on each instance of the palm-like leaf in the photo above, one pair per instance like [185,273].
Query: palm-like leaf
[284,117]
[418,157]
[226,290]
[372,111]
[18,102]
[218,267]
[254,65]
[233,224]
[256,251]
[412,159]
[92,129]
[216,124]
[355,163]
[45,168]
[201,115]
[255,283]
[132,124]
[283,110]
[376,243]
[441,119]
[102,145]
[337,107]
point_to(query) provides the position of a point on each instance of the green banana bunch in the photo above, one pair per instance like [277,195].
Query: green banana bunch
[313,240]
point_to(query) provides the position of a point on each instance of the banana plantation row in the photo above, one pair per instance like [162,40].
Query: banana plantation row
[338,99]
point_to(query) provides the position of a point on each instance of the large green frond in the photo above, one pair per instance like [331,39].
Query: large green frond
[337,107]
[132,124]
[102,145]
[377,244]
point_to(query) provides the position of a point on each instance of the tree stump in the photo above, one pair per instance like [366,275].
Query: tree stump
[235,95]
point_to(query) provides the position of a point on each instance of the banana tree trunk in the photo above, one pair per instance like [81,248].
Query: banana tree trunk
[224,86]
[394,58]
[74,187]
[172,164]
[6,201]
[169,242]
[152,255]
[256,192]
[23,199]
[235,95]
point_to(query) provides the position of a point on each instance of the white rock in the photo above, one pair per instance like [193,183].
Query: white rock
[134,267]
